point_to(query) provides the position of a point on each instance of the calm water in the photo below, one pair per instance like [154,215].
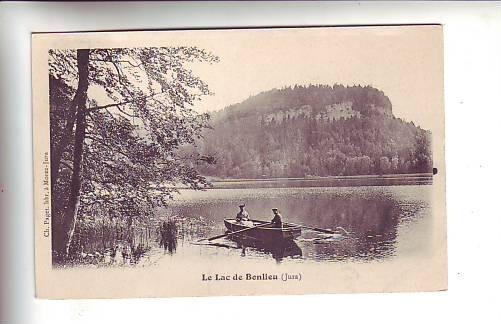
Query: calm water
[383,222]
[333,181]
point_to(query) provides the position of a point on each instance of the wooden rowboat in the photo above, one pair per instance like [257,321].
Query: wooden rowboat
[266,234]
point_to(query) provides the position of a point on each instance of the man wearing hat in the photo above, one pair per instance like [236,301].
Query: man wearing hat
[277,219]
[242,215]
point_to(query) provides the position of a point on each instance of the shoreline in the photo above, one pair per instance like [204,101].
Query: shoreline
[330,181]
[314,178]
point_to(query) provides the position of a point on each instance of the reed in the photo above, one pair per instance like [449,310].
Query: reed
[115,242]
[107,242]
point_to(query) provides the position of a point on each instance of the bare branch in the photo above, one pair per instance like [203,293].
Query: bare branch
[127,114]
[118,61]
[91,109]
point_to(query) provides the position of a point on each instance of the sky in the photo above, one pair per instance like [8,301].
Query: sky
[406,63]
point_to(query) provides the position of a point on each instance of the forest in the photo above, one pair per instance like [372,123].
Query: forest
[315,130]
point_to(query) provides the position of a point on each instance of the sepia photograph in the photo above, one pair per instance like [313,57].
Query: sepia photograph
[239,162]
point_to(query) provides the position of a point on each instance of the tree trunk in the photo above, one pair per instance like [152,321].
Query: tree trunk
[71,212]
[58,151]
[57,154]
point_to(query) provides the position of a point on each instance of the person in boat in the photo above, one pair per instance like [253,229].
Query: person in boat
[242,215]
[277,218]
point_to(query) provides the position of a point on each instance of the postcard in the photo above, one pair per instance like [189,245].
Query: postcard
[239,162]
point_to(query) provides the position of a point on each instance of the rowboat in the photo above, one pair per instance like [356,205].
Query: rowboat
[267,233]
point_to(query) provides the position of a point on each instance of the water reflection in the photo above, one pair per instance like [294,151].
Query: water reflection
[372,222]
[278,250]
[168,235]
[372,216]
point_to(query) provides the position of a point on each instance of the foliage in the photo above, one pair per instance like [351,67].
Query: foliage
[248,144]
[137,115]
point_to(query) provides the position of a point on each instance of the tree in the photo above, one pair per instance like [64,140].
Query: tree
[120,117]
[384,164]
[80,102]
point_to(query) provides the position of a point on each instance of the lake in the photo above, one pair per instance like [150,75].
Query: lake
[382,221]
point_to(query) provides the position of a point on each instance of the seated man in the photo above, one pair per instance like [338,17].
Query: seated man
[242,215]
[277,219]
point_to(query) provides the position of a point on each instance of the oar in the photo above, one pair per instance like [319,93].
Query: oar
[236,232]
[323,230]
[217,245]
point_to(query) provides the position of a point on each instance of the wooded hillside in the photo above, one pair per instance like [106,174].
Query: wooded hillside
[317,131]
